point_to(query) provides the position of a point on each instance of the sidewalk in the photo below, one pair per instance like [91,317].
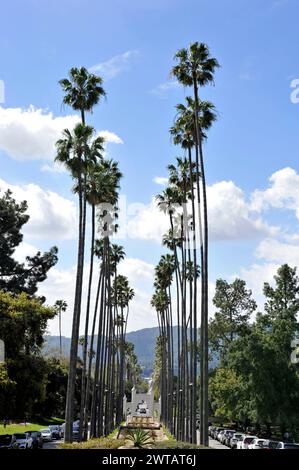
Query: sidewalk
[213,443]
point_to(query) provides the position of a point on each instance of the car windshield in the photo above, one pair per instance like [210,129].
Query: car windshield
[5,439]
[273,444]
[20,436]
[248,440]
[45,430]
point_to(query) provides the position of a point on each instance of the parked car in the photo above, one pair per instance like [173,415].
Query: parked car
[56,432]
[216,432]
[258,444]
[287,445]
[269,444]
[75,432]
[219,435]
[21,440]
[46,434]
[228,433]
[236,437]
[245,441]
[37,439]
[6,441]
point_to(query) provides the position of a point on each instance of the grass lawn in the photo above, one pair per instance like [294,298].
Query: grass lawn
[12,428]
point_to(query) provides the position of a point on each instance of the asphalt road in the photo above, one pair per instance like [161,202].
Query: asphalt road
[51,445]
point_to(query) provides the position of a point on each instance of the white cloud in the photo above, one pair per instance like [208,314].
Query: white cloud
[136,269]
[277,252]
[114,66]
[162,89]
[23,250]
[282,193]
[141,315]
[30,134]
[231,216]
[52,216]
[60,284]
[55,168]
[161,180]
[255,276]
[110,137]
[149,223]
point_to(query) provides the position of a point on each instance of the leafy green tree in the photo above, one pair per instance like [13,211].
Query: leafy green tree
[7,390]
[23,322]
[227,394]
[14,276]
[235,306]
[259,358]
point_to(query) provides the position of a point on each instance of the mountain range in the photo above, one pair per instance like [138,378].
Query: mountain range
[144,344]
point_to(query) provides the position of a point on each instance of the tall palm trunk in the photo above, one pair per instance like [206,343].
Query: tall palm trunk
[193,324]
[87,390]
[83,380]
[60,342]
[69,413]
[204,319]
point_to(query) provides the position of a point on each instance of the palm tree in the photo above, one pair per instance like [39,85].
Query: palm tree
[70,151]
[196,68]
[102,183]
[184,134]
[83,91]
[122,294]
[60,306]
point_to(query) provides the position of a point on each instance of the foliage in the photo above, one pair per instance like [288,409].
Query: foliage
[23,323]
[235,306]
[227,394]
[35,426]
[139,437]
[14,276]
[55,391]
[101,443]
[33,384]
[257,381]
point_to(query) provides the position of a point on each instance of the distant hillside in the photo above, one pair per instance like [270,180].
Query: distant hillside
[144,342]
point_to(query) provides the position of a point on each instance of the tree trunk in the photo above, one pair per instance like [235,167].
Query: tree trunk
[83,381]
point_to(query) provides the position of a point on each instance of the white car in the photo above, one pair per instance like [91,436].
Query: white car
[237,436]
[46,434]
[219,435]
[287,445]
[22,440]
[245,441]
[258,444]
[225,435]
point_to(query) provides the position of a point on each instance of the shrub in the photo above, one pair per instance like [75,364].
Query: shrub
[100,443]
[139,437]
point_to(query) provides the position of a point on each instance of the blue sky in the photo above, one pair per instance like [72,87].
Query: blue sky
[131,44]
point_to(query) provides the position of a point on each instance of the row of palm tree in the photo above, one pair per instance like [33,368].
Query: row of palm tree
[96,183]
[185,201]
